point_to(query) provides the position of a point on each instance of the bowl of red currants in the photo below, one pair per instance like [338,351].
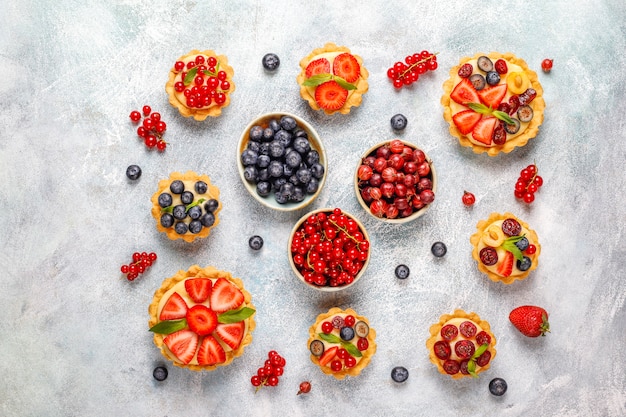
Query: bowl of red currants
[329,249]
[282,161]
[395,181]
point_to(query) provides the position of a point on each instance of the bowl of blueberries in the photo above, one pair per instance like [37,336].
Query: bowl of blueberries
[281,161]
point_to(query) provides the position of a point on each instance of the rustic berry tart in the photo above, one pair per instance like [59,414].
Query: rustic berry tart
[185,206]
[461,344]
[493,102]
[341,342]
[333,79]
[200,84]
[505,248]
[202,318]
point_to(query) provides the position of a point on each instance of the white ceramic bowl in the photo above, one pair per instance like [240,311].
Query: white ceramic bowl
[294,267]
[315,144]
[358,186]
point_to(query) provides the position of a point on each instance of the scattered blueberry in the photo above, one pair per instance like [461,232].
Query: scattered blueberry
[399,374]
[402,271]
[497,386]
[346,333]
[524,264]
[439,249]
[398,122]
[133,172]
[255,242]
[160,373]
[271,62]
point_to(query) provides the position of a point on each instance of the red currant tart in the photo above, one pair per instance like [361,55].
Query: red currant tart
[461,344]
[200,84]
[341,342]
[202,318]
[493,103]
[505,248]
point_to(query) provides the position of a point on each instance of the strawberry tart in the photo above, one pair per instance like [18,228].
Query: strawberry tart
[201,318]
[186,206]
[461,344]
[493,103]
[505,248]
[200,84]
[333,79]
[341,342]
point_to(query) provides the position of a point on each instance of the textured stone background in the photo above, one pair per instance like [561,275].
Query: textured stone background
[74,332]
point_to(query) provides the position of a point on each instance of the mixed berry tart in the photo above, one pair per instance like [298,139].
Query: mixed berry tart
[341,342]
[200,84]
[505,248]
[333,79]
[493,103]
[202,318]
[461,344]
[186,206]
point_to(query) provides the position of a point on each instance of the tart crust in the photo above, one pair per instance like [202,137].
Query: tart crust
[475,239]
[355,97]
[367,354]
[538,105]
[213,110]
[196,271]
[163,186]
[435,331]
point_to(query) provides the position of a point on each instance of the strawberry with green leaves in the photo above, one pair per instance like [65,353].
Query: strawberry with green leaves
[531,321]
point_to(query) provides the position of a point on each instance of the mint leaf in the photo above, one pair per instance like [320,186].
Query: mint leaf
[331,338]
[317,79]
[488,111]
[471,365]
[479,108]
[167,209]
[343,83]
[235,316]
[195,203]
[509,245]
[190,76]
[503,116]
[352,350]
[169,326]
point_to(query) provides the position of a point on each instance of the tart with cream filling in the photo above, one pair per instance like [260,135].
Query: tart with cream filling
[493,102]
[333,79]
[201,318]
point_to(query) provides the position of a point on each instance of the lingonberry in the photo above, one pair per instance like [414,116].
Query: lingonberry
[468,198]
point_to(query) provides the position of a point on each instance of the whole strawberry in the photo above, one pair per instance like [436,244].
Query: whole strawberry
[532,321]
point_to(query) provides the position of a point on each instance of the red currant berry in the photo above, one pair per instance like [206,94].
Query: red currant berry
[135,116]
[255,380]
[531,249]
[124,269]
[349,320]
[161,145]
[327,327]
[179,66]
[528,198]
[160,127]
[150,141]
[336,365]
[546,65]
[146,110]
[468,198]
[362,344]
[538,181]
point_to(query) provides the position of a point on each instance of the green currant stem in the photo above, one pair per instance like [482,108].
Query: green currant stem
[421,61]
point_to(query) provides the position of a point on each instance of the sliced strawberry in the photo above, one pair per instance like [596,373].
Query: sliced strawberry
[466,120]
[211,352]
[328,355]
[483,131]
[330,95]
[175,308]
[493,96]
[319,66]
[231,333]
[225,296]
[347,67]
[201,320]
[464,92]
[506,267]
[182,344]
[199,289]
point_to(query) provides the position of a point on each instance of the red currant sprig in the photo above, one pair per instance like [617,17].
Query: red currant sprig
[409,71]
[141,262]
[152,128]
[268,374]
[528,183]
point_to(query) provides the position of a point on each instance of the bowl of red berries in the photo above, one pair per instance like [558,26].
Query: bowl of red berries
[329,249]
[282,161]
[395,181]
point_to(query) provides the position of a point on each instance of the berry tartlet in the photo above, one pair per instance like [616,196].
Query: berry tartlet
[493,103]
[200,84]
[202,318]
[186,206]
[341,342]
[461,344]
[333,79]
[505,248]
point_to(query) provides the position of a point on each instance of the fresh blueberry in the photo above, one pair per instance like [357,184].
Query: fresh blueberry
[250,173]
[312,186]
[195,212]
[177,187]
[165,200]
[288,123]
[264,148]
[275,169]
[200,187]
[186,197]
[402,271]
[263,175]
[263,188]
[289,171]
[179,212]
[398,122]
[208,219]
[439,249]
[301,145]
[399,374]
[167,220]
[280,198]
[317,170]
[254,146]
[524,264]
[181,228]
[255,242]
[274,125]
[278,182]
[195,226]
[497,386]
[298,194]
[283,137]
[277,149]
[293,159]
[304,175]
[256,133]
[312,157]
[249,157]
[263,161]
[300,133]
[133,172]
[270,61]
[522,244]
[287,189]
[211,205]
[160,373]
[492,78]
[268,134]
[346,333]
